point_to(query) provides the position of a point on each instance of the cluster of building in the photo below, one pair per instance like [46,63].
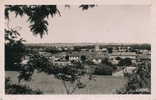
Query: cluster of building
[97,54]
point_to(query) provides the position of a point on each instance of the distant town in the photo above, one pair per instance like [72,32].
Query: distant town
[81,69]
[126,56]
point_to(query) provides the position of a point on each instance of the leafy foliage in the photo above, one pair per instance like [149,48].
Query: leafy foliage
[35,62]
[106,61]
[11,88]
[83,58]
[37,15]
[14,49]
[125,62]
[69,74]
[85,7]
[139,82]
[103,69]
[110,50]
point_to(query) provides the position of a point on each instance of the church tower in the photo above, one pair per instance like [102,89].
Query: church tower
[97,47]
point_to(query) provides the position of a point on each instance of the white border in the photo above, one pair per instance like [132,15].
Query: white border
[103,2]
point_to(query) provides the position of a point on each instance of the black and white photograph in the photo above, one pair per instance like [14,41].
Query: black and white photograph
[77,49]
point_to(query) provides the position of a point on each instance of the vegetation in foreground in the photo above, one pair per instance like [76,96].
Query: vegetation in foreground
[139,82]
[11,88]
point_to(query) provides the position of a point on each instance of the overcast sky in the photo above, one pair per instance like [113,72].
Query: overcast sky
[126,24]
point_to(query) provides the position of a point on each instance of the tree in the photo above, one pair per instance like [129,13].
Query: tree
[37,15]
[118,58]
[106,62]
[14,49]
[103,69]
[70,75]
[110,50]
[35,62]
[38,18]
[67,57]
[125,62]
[83,58]
[11,88]
[140,81]
[85,7]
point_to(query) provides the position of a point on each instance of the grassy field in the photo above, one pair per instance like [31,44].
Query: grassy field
[49,85]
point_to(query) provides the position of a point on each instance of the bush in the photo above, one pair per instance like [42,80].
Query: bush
[139,82]
[81,85]
[125,62]
[103,70]
[106,62]
[11,88]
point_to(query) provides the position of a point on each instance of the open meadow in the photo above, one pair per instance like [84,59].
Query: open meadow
[50,85]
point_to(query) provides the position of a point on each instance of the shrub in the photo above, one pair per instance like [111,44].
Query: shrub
[103,70]
[125,62]
[11,88]
[139,82]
